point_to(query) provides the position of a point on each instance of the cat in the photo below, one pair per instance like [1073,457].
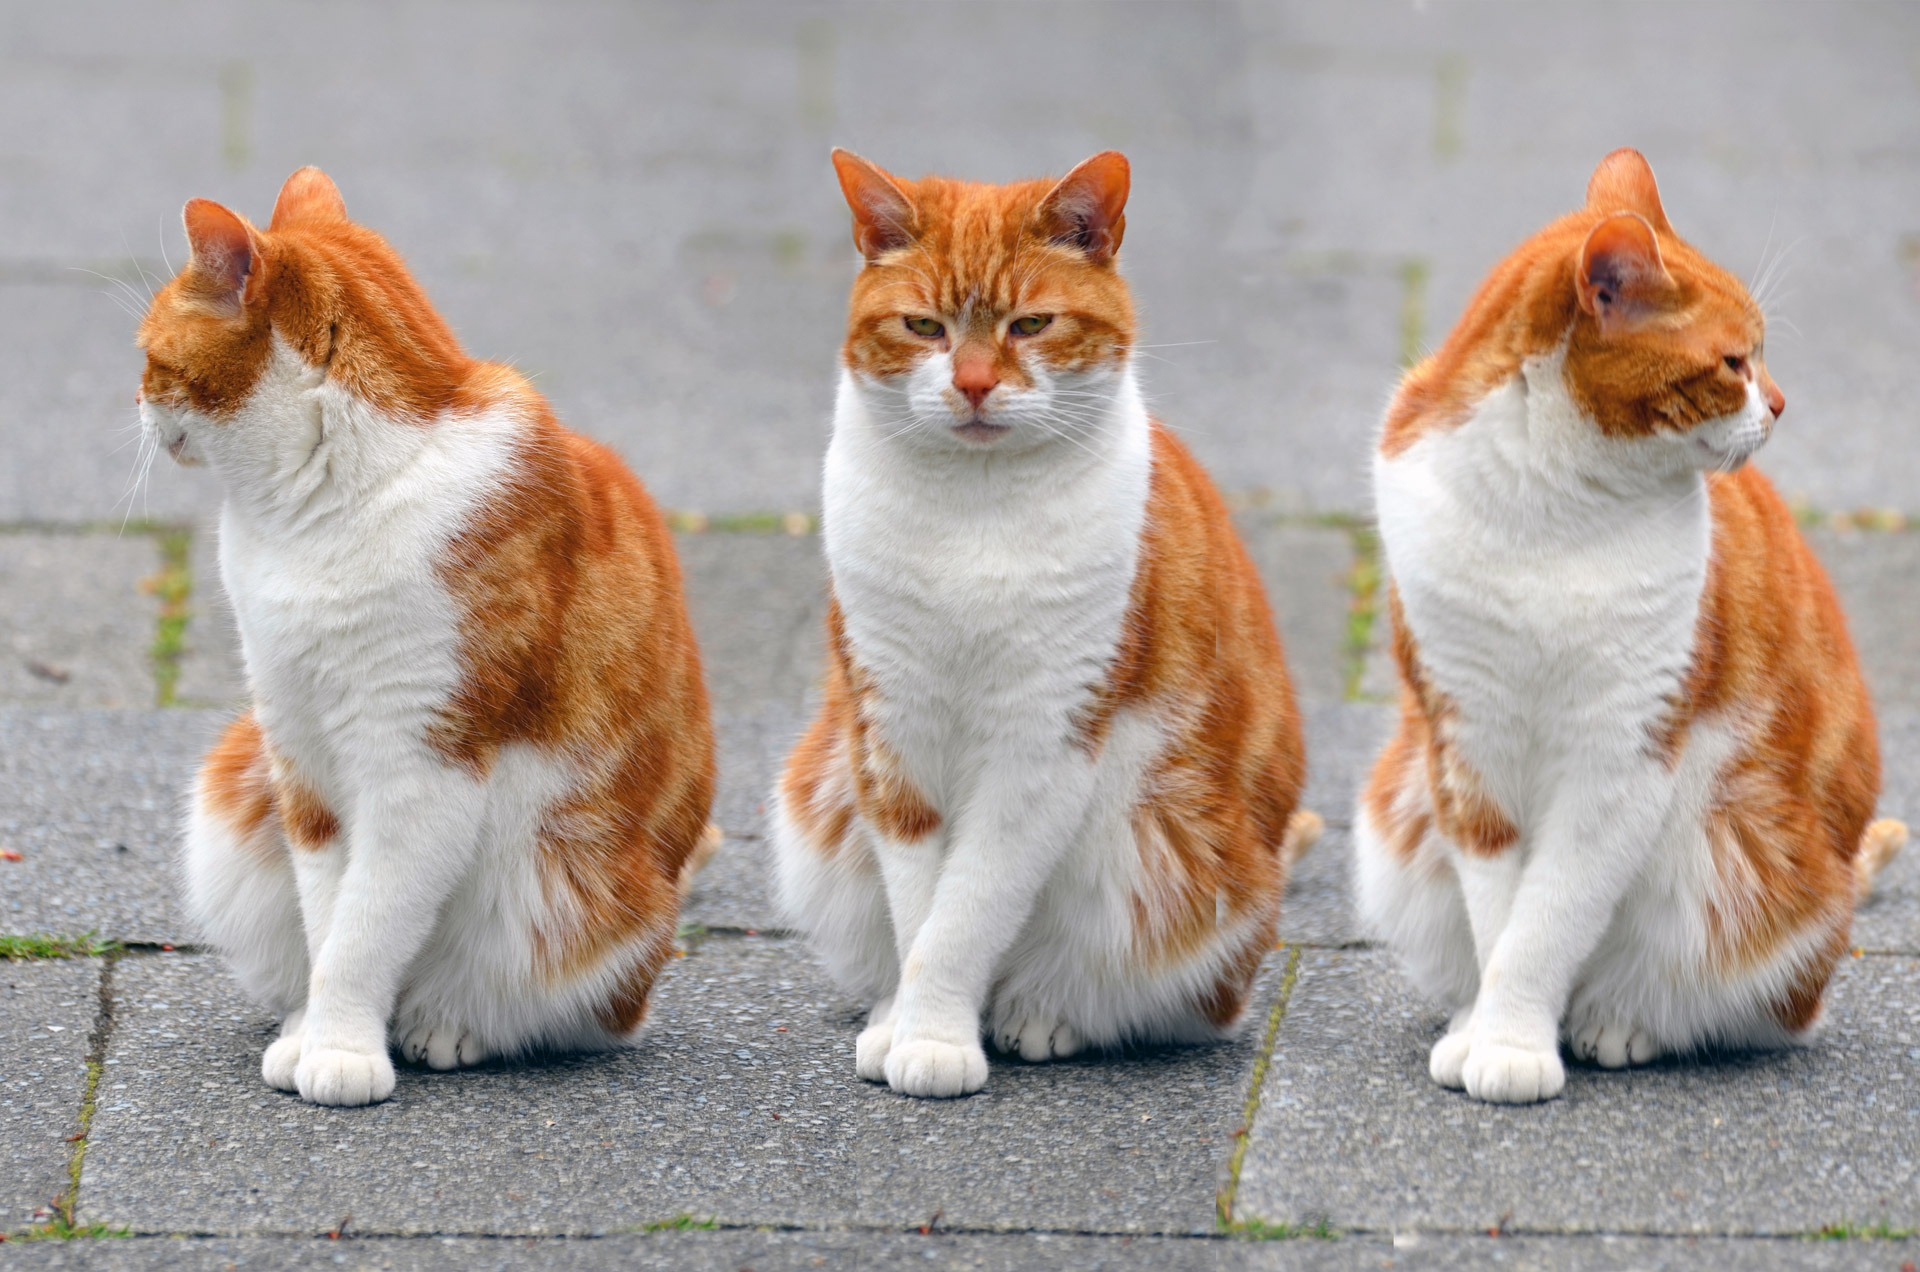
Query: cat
[478,761]
[1057,753]
[1627,803]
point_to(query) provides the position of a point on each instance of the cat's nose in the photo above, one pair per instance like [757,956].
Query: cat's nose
[1776,400]
[975,378]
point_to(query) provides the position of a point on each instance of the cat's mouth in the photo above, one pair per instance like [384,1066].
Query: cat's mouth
[980,432]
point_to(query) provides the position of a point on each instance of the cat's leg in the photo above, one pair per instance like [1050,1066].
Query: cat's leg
[835,893]
[1000,853]
[241,888]
[408,846]
[1409,896]
[1598,831]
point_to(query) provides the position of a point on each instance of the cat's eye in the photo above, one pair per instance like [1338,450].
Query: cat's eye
[1031,325]
[1735,364]
[927,327]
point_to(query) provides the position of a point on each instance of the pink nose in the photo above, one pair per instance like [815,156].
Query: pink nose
[975,378]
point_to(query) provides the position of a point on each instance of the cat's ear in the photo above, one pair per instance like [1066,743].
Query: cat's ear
[1624,183]
[226,254]
[1088,208]
[883,215]
[1620,276]
[308,196]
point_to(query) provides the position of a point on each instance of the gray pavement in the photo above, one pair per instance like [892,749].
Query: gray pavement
[861,1251]
[631,201]
[618,200]
[75,628]
[1789,1142]
[47,1015]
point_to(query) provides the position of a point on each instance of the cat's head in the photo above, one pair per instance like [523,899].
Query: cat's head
[1659,349]
[1666,344]
[247,340]
[988,317]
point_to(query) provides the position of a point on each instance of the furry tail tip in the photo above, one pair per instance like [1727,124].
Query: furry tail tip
[709,843]
[1882,843]
[1303,830]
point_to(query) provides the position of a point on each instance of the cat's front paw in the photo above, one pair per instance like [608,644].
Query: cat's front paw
[924,1067]
[344,1078]
[1613,1046]
[1447,1062]
[442,1047]
[283,1053]
[870,1051]
[1502,1074]
[281,1061]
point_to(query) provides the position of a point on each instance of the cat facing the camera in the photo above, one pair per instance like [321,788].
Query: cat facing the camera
[1052,784]
[478,762]
[1628,801]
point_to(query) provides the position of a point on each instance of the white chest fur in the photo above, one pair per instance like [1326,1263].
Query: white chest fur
[332,538]
[983,594]
[1550,576]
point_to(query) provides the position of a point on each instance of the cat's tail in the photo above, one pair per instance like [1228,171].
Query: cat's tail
[1303,829]
[702,853]
[1882,843]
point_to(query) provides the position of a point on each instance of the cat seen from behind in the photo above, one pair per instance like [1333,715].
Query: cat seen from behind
[477,762]
[1051,789]
[1628,802]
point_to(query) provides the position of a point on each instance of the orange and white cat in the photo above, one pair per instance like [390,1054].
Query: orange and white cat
[478,758]
[1052,775]
[1628,800]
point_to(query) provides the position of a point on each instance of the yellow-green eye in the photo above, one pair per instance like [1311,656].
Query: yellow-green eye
[1031,325]
[926,327]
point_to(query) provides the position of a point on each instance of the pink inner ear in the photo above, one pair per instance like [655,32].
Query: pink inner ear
[1088,207]
[1621,272]
[222,244]
[883,216]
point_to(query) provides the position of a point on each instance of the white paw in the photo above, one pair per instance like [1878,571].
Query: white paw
[870,1051]
[442,1047]
[282,1058]
[1449,1058]
[344,1077]
[1613,1046]
[1037,1038]
[1502,1074]
[940,1069]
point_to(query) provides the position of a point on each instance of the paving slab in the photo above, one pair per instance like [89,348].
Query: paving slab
[733,1251]
[1342,739]
[1304,569]
[47,1011]
[1352,1130]
[741,1103]
[759,606]
[90,800]
[75,626]
[212,672]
